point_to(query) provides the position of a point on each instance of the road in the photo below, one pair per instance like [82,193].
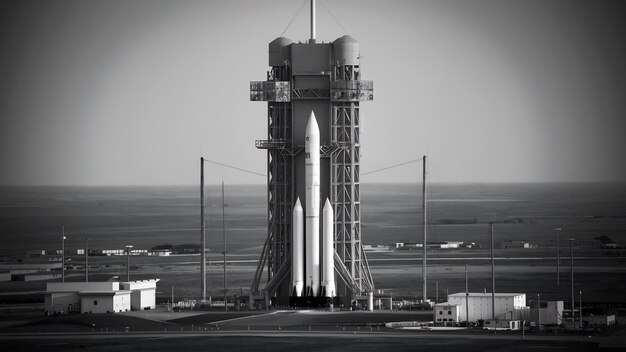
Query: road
[304,341]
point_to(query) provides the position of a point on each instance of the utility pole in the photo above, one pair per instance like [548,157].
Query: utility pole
[558,259]
[202,233]
[63,253]
[493,279]
[224,237]
[424,227]
[580,309]
[539,312]
[466,300]
[128,247]
[571,249]
[87,259]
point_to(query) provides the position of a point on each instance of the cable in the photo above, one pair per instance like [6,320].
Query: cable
[236,168]
[390,167]
[294,17]
[333,16]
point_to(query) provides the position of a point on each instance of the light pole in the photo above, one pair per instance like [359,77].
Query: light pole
[571,250]
[63,253]
[539,312]
[558,231]
[224,238]
[580,309]
[466,300]
[128,247]
[87,259]
[493,279]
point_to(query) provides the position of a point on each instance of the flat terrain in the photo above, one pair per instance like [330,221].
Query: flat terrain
[274,331]
[600,276]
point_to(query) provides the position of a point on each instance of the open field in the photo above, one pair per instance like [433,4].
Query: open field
[397,273]
[274,331]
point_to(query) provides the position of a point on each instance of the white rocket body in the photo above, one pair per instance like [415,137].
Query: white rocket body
[312,209]
[328,251]
[297,250]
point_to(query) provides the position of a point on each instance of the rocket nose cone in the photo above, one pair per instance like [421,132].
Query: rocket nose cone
[312,124]
[298,205]
[327,205]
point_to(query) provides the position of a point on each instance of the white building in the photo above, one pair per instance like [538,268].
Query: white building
[143,294]
[446,313]
[517,244]
[480,304]
[552,314]
[99,297]
[85,297]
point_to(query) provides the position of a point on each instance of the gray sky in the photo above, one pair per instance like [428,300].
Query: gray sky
[133,92]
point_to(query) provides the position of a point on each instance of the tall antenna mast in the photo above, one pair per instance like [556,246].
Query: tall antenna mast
[312,40]
[224,237]
[424,226]
[202,232]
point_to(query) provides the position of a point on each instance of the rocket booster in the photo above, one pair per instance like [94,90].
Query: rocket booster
[328,251]
[297,251]
[312,210]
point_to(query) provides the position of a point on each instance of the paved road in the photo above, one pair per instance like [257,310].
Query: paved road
[304,341]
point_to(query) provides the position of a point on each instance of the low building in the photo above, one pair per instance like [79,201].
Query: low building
[480,304]
[85,297]
[598,320]
[502,325]
[5,275]
[35,253]
[551,315]
[99,297]
[160,253]
[110,252]
[37,276]
[143,294]
[445,313]
[517,244]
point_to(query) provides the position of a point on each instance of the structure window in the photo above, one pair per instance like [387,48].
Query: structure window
[449,312]
[440,312]
[95,302]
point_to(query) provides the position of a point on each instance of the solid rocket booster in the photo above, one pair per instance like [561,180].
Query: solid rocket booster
[312,211]
[328,251]
[297,250]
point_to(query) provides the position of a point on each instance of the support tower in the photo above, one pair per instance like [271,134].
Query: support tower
[324,79]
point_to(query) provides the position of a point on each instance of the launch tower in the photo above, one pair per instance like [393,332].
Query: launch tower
[324,80]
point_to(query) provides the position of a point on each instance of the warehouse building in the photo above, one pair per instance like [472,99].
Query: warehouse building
[480,304]
[143,293]
[99,297]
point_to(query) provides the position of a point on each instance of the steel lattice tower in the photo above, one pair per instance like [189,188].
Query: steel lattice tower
[324,78]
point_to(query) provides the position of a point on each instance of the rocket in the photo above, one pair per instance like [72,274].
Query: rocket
[312,209]
[310,276]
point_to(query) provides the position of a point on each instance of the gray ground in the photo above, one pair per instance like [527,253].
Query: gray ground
[271,331]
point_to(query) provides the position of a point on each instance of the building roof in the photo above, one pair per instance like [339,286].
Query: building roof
[103,293]
[482,294]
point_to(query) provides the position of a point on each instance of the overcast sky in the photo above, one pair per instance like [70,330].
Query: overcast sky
[134,92]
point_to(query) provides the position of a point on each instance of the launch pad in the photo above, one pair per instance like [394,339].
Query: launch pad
[321,80]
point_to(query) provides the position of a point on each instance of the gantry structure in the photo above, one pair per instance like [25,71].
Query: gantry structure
[324,78]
